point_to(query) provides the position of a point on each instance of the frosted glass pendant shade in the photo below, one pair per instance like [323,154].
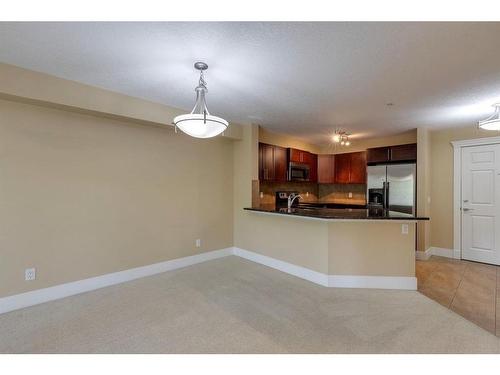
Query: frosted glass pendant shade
[201,126]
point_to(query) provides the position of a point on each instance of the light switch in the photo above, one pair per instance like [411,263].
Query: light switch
[404,228]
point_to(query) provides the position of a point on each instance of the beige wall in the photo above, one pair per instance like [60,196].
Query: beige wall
[442,180]
[423,187]
[32,87]
[284,140]
[82,195]
[381,250]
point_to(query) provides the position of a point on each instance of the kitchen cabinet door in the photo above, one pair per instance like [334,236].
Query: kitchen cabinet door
[404,152]
[280,164]
[342,168]
[378,155]
[266,162]
[295,155]
[326,169]
[300,156]
[358,168]
[313,167]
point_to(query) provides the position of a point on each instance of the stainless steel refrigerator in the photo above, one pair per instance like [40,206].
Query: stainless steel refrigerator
[392,186]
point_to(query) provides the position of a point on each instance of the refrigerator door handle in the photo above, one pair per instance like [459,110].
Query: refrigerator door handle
[386,195]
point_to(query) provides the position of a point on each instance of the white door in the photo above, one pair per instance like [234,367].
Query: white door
[481,203]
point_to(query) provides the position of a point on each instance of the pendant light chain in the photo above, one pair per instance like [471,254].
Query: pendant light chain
[202,82]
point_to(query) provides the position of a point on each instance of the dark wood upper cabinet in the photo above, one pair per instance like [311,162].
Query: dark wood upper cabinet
[313,170]
[342,168]
[272,163]
[280,164]
[390,154]
[326,169]
[299,156]
[358,168]
[378,155]
[266,162]
[404,152]
[350,168]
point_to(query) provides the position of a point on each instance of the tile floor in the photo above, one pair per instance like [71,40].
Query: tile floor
[467,288]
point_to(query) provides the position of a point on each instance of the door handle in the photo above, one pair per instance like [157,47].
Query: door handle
[467,209]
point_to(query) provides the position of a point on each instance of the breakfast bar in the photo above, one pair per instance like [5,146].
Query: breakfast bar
[336,247]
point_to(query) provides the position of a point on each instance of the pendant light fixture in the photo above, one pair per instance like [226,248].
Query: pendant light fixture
[200,123]
[492,122]
[341,137]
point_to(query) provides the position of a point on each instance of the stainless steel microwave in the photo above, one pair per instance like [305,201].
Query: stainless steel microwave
[298,172]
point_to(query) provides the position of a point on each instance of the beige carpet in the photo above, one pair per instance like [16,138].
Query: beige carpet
[232,305]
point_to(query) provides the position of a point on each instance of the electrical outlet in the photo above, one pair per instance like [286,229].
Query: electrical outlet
[198,242]
[350,195]
[29,274]
[404,228]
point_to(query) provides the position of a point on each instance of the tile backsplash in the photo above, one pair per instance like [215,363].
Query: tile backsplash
[340,193]
[308,190]
[312,192]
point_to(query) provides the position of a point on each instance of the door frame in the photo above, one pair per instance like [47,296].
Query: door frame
[457,186]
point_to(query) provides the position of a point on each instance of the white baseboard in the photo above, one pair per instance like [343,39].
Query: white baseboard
[373,282]
[423,255]
[38,296]
[336,281]
[292,269]
[444,252]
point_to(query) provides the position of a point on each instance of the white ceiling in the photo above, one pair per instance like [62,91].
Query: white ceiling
[304,79]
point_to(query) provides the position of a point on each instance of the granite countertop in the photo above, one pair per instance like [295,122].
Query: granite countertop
[338,213]
[348,202]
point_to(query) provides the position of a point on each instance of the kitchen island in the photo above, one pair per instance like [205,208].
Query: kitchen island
[354,248]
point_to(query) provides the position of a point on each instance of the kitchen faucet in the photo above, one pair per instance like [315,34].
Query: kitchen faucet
[291,199]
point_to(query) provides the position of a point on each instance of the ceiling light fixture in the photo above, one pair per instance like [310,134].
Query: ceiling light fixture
[492,122]
[341,137]
[200,123]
